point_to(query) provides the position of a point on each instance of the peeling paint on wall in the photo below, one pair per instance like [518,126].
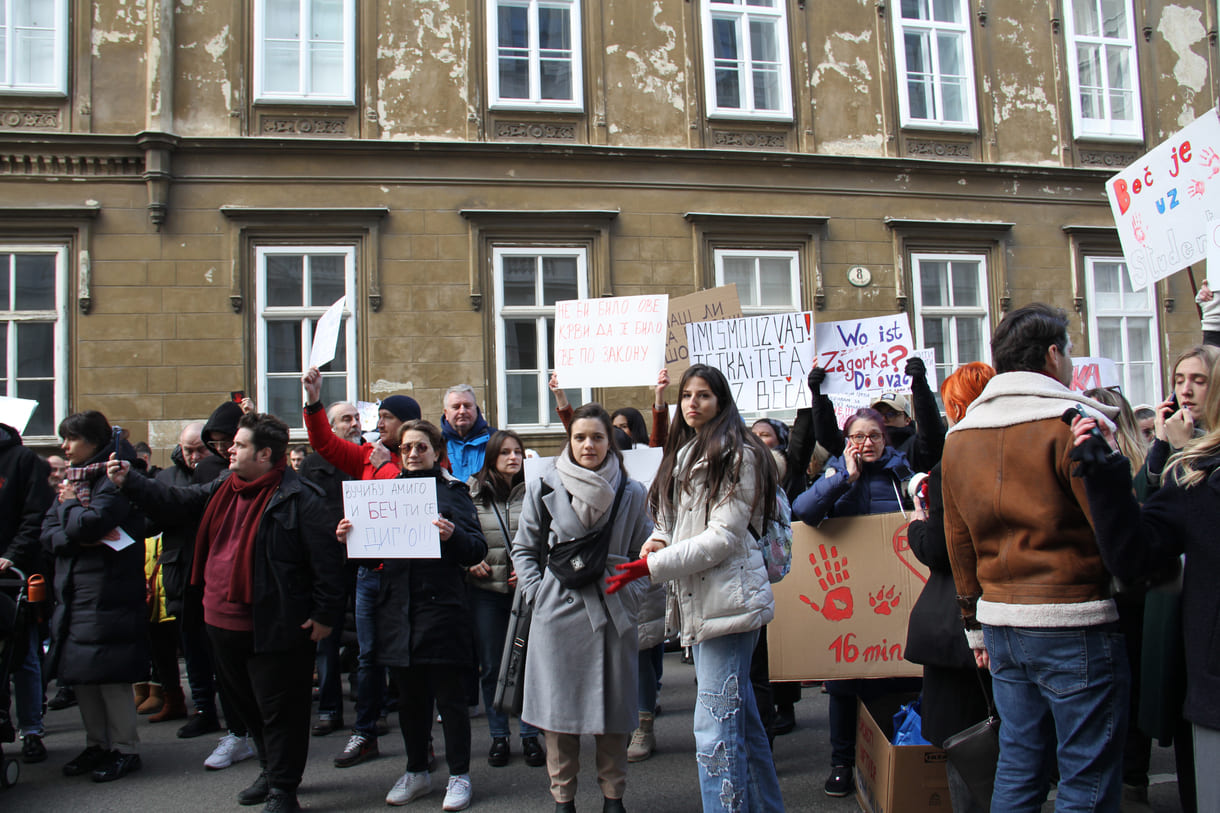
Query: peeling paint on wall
[382,385]
[855,71]
[654,71]
[124,23]
[437,35]
[1182,29]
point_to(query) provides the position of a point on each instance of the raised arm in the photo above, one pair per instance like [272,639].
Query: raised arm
[929,429]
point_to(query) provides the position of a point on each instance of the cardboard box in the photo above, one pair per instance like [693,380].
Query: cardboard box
[842,611]
[896,779]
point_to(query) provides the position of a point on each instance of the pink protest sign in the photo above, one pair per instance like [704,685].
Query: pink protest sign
[610,342]
[1163,203]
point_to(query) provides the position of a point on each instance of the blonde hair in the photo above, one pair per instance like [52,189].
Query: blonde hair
[1130,440]
[1184,467]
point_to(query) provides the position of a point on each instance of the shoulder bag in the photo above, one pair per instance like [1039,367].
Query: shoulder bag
[581,561]
[975,752]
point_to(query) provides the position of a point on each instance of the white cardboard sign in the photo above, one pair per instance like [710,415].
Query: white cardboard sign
[766,359]
[326,334]
[392,519]
[611,342]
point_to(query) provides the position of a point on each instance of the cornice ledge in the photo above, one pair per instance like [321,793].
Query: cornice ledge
[536,215]
[1107,231]
[295,214]
[794,222]
[967,225]
[85,211]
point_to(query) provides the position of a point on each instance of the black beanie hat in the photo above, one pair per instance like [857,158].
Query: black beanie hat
[402,407]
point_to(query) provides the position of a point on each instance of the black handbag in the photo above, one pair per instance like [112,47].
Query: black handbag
[510,685]
[975,752]
[581,561]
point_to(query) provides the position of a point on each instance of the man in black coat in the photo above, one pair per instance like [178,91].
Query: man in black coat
[25,496]
[271,574]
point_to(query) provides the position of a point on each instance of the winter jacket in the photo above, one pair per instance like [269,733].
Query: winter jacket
[720,575]
[491,515]
[350,458]
[298,565]
[154,577]
[466,453]
[25,496]
[1135,541]
[581,672]
[422,612]
[99,630]
[879,489]
[178,539]
[924,444]
[1017,524]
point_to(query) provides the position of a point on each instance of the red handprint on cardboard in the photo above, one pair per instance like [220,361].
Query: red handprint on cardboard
[831,570]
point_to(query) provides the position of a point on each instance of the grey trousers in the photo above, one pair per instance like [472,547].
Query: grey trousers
[108,711]
[1207,757]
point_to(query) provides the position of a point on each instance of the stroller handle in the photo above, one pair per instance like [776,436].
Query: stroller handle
[16,571]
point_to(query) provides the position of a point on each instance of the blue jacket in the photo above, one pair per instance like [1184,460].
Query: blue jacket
[466,454]
[875,492]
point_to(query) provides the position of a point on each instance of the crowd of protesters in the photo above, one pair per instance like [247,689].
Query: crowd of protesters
[1058,592]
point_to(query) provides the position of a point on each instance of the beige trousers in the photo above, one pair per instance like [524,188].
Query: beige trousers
[563,764]
[108,711]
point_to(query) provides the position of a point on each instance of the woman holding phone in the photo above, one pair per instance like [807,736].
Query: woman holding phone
[715,482]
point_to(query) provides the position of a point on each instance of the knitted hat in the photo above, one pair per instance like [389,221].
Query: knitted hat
[402,407]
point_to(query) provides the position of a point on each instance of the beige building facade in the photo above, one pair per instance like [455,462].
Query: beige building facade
[186,185]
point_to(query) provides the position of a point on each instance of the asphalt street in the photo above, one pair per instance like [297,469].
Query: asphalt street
[173,777]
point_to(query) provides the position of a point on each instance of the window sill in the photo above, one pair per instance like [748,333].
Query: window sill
[303,101]
[577,108]
[732,116]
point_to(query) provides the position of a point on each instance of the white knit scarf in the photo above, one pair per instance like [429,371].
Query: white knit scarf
[592,490]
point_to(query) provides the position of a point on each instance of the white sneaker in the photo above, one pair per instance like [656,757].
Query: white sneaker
[229,750]
[457,794]
[408,787]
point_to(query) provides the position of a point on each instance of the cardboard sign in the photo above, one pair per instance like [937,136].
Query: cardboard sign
[326,334]
[1164,202]
[842,611]
[392,519]
[613,342]
[766,359]
[865,355]
[896,778]
[1093,373]
[16,412]
[701,306]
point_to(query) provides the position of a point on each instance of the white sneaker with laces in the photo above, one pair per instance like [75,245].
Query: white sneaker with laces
[229,750]
[409,786]
[457,793]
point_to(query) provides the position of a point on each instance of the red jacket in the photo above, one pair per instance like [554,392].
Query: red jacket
[350,458]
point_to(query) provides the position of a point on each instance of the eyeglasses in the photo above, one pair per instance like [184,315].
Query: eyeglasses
[873,438]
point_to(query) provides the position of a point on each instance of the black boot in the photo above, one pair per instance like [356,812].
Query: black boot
[281,801]
[613,806]
[257,793]
[565,807]
[497,757]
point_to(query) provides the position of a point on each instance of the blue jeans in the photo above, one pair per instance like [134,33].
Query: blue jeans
[492,612]
[651,663]
[370,677]
[27,686]
[1065,688]
[736,772]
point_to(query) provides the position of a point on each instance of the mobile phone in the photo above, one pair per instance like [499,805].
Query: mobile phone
[116,436]
[1174,406]
[237,396]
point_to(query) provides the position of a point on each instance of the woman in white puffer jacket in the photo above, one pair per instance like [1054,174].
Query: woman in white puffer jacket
[716,482]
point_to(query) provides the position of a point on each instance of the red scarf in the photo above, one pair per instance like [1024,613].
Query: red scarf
[224,500]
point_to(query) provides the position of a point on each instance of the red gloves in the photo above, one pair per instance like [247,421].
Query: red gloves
[630,572]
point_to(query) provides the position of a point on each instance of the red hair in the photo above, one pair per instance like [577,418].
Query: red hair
[963,385]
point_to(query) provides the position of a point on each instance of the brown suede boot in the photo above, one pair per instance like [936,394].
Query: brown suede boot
[174,708]
[154,701]
[140,693]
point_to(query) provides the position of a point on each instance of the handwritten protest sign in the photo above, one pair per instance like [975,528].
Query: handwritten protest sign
[1213,252]
[1164,202]
[392,519]
[611,342]
[765,358]
[842,611]
[701,306]
[862,355]
[1094,373]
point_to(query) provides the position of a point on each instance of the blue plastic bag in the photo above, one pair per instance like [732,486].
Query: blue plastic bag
[906,726]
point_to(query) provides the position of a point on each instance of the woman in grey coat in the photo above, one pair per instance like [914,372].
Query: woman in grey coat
[580,671]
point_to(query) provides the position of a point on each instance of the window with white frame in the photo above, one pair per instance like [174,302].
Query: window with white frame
[1123,328]
[305,51]
[951,311]
[34,332]
[295,286]
[1102,70]
[529,281]
[935,64]
[745,58]
[534,54]
[767,281]
[33,46]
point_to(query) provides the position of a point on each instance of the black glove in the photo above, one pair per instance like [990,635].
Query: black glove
[816,376]
[916,368]
[1091,455]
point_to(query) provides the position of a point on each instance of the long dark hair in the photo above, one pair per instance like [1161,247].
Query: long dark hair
[636,428]
[490,484]
[722,442]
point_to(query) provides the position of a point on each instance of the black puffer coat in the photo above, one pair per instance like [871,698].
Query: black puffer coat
[99,631]
[422,612]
